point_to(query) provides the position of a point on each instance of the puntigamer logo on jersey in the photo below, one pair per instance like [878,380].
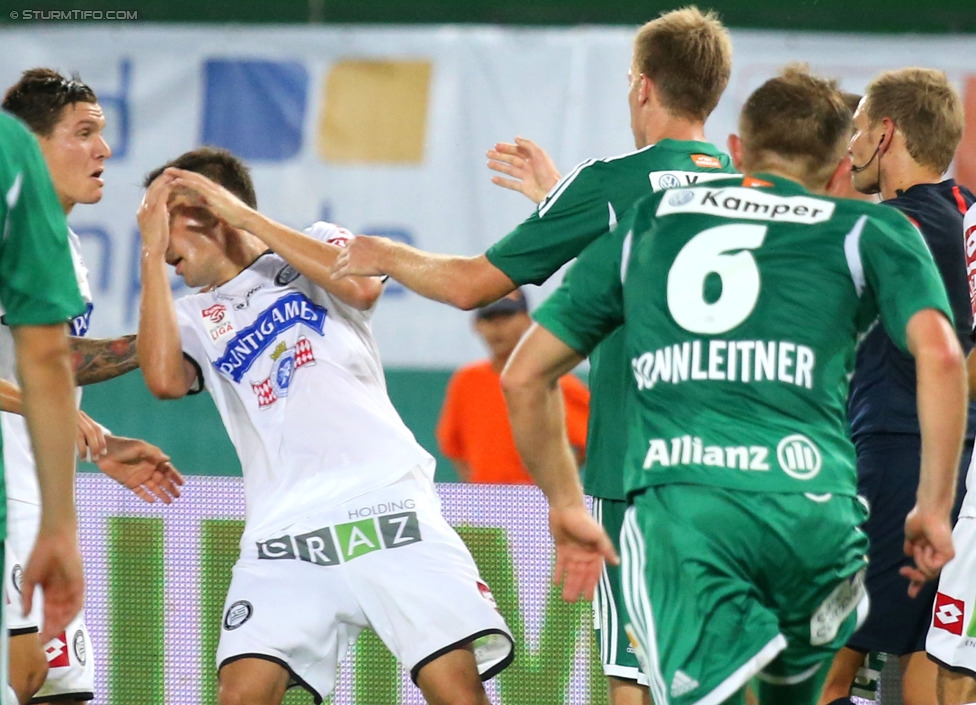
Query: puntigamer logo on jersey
[796,454]
[749,204]
[285,363]
[250,342]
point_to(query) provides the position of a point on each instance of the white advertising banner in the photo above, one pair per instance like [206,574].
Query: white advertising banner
[384,130]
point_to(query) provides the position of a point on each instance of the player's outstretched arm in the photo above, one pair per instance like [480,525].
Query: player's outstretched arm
[462,282]
[99,359]
[311,257]
[526,166]
[942,404]
[530,382]
[90,438]
[167,373]
[43,366]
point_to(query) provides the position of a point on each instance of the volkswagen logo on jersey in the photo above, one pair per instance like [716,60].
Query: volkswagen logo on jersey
[679,198]
[668,181]
[286,363]
[237,614]
[79,324]
[286,275]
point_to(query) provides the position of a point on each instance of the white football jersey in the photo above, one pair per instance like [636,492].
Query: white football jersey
[969,240]
[20,475]
[296,376]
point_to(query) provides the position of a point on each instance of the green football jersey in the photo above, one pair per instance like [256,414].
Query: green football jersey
[584,205]
[743,301]
[37,279]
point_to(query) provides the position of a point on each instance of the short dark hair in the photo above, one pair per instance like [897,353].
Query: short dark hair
[800,117]
[40,96]
[219,165]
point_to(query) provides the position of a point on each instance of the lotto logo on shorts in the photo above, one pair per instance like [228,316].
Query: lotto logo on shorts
[949,614]
[56,652]
[341,543]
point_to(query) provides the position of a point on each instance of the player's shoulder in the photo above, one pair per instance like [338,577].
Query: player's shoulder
[14,132]
[199,307]
[328,232]
[472,371]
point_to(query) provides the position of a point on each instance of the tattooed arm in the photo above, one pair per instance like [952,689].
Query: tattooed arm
[99,359]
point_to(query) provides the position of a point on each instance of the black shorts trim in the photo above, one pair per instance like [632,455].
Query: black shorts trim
[274,659]
[954,669]
[63,697]
[487,675]
[20,631]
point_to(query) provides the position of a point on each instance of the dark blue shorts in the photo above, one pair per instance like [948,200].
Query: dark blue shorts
[887,471]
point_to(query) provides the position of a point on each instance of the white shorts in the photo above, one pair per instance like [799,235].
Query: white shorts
[71,674]
[387,561]
[951,641]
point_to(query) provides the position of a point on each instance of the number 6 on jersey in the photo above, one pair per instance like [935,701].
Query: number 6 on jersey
[714,251]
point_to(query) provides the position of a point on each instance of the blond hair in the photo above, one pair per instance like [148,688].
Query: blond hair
[927,110]
[688,56]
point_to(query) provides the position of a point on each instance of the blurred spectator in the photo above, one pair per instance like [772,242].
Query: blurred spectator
[473,430]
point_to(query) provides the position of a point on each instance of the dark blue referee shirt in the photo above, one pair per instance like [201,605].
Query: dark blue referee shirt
[882,395]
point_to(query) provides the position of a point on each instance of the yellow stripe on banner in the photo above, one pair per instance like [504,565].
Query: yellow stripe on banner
[374,112]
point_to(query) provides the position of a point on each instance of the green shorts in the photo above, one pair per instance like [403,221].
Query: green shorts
[617,654]
[722,585]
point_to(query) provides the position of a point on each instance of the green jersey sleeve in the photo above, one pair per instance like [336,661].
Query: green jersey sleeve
[900,272]
[589,305]
[571,216]
[37,279]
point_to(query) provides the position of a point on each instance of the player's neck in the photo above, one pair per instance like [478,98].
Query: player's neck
[901,172]
[240,252]
[674,128]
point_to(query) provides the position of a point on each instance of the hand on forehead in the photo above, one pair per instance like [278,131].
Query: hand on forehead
[186,202]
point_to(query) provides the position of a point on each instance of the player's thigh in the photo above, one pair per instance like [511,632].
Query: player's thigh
[452,679]
[697,564]
[420,588]
[955,688]
[617,654]
[252,681]
[27,664]
[299,615]
[815,570]
[695,614]
[888,467]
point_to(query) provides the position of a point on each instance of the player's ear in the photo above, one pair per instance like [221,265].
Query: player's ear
[736,150]
[840,180]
